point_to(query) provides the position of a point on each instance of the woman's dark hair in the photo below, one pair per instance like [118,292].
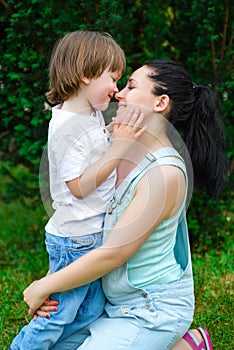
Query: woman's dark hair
[194,113]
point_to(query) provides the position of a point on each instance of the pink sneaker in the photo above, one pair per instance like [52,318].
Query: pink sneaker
[192,340]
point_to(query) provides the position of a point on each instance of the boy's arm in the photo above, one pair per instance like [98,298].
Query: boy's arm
[125,134]
[109,127]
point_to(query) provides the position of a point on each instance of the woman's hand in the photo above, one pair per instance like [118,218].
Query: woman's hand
[34,296]
[45,309]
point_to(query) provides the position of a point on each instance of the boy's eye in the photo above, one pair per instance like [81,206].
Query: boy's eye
[116,77]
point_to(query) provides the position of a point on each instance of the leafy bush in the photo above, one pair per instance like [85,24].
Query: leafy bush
[197,33]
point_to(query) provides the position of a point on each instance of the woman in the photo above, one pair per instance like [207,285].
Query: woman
[145,258]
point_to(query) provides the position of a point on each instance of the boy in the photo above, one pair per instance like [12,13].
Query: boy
[84,71]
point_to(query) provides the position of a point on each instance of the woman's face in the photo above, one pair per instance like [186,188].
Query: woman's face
[137,93]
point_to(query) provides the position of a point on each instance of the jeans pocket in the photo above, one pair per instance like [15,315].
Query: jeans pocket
[82,245]
[56,256]
[63,251]
[87,242]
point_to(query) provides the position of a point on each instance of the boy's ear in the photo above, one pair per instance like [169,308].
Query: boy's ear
[85,80]
[161,103]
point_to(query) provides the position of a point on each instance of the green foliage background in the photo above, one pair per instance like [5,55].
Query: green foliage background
[197,33]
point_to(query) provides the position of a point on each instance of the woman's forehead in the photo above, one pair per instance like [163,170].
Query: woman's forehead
[141,76]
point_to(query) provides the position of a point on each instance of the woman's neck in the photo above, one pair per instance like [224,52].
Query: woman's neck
[155,136]
[147,143]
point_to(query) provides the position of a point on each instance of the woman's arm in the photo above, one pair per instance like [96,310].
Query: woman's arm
[157,197]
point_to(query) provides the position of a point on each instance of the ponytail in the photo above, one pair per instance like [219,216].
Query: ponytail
[204,139]
[194,113]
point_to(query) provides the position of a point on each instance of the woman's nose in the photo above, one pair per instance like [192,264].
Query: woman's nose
[119,95]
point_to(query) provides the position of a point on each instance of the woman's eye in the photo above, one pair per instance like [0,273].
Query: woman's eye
[130,87]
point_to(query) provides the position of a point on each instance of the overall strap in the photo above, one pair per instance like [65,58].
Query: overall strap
[150,159]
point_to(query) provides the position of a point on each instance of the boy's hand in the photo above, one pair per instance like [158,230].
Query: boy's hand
[109,127]
[130,129]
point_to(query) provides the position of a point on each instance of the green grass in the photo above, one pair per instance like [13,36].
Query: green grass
[214,281]
[23,259]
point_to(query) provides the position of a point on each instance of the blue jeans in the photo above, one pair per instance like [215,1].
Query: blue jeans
[77,308]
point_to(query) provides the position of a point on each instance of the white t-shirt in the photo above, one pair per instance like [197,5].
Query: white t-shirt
[75,141]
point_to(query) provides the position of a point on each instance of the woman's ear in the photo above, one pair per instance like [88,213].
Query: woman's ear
[85,80]
[161,103]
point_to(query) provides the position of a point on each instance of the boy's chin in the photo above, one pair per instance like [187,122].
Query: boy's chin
[104,107]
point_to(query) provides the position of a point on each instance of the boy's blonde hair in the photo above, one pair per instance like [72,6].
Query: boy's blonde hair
[81,54]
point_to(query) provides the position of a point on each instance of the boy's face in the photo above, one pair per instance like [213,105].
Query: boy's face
[99,91]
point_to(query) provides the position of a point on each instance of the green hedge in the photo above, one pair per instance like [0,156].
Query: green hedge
[197,33]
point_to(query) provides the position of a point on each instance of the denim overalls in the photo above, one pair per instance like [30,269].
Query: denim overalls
[150,318]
